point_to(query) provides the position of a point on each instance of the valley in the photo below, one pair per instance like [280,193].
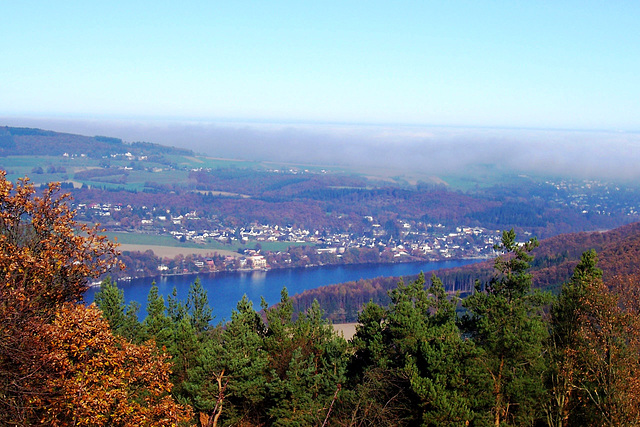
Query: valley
[203,214]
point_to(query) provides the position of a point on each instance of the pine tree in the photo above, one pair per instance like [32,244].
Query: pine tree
[157,325]
[176,309]
[229,379]
[566,315]
[131,329]
[314,368]
[123,320]
[438,368]
[110,299]
[505,321]
[207,381]
[411,360]
[198,307]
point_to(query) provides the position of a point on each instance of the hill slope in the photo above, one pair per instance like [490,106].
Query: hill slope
[16,141]
[555,260]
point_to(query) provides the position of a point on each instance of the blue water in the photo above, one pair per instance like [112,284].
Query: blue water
[225,289]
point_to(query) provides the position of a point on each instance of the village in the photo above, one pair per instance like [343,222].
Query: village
[265,246]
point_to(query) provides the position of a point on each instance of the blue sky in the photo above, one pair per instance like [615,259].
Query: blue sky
[536,64]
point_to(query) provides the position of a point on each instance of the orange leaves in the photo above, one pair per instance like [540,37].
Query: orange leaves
[600,347]
[59,362]
[102,380]
[44,256]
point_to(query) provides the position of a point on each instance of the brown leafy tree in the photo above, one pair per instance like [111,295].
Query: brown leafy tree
[596,350]
[45,262]
[94,378]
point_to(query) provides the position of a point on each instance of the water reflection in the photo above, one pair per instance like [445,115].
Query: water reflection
[225,289]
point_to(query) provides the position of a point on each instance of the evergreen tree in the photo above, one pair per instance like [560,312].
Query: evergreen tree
[110,300]
[315,370]
[596,353]
[564,339]
[176,309]
[411,360]
[123,320]
[207,380]
[157,325]
[505,321]
[173,328]
[438,366]
[131,329]
[369,341]
[229,381]
[278,340]
[198,307]
[184,349]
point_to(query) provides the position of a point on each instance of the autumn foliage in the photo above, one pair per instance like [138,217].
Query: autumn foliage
[59,362]
[120,384]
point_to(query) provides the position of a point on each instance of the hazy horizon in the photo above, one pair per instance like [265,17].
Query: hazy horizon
[430,150]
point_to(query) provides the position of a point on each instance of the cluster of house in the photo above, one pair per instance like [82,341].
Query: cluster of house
[591,196]
[429,241]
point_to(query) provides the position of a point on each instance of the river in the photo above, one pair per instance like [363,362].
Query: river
[225,289]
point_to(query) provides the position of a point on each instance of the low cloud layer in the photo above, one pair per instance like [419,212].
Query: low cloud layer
[428,150]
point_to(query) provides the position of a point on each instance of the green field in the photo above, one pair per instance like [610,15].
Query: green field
[181,165]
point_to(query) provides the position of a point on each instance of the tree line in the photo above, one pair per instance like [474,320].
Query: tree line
[503,355]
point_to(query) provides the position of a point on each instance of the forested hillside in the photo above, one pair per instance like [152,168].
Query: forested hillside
[16,141]
[553,264]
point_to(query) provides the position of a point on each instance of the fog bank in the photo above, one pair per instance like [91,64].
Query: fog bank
[428,150]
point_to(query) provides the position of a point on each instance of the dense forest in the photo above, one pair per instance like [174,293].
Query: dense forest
[505,354]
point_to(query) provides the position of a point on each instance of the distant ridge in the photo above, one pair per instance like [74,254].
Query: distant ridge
[618,252]
[17,141]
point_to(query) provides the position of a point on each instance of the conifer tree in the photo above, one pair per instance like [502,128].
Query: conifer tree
[438,367]
[278,340]
[229,380]
[123,320]
[411,359]
[176,310]
[207,381]
[369,341]
[110,300]
[566,315]
[131,329]
[315,370]
[157,325]
[198,307]
[505,321]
